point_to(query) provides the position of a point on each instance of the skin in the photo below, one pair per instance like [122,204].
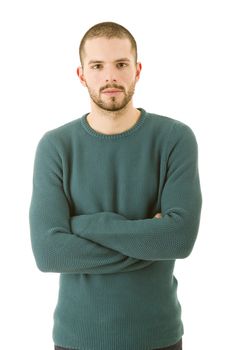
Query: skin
[110,74]
[109,66]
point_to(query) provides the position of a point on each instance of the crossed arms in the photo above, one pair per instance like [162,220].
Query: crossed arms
[107,242]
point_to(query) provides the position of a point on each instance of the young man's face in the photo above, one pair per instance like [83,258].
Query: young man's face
[109,72]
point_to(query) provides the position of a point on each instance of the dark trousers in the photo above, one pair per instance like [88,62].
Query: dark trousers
[177,346]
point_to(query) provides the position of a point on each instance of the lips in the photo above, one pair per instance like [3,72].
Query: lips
[111,91]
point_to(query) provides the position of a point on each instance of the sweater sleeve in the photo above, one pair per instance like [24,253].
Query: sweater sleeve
[55,247]
[170,237]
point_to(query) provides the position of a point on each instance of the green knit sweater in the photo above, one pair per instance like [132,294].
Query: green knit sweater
[92,220]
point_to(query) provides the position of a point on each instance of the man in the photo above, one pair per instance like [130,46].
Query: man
[116,200]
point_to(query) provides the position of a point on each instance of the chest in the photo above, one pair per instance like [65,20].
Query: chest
[125,178]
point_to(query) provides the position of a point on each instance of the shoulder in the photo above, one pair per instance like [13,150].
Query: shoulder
[64,130]
[61,136]
[169,128]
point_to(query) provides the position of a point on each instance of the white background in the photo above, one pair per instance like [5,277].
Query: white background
[186,51]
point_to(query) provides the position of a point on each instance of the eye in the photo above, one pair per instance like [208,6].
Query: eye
[122,65]
[96,66]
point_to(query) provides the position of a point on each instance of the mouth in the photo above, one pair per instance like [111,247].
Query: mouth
[110,92]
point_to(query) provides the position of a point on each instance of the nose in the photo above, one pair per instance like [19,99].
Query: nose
[110,75]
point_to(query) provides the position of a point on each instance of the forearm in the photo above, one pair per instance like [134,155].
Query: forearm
[171,237]
[57,249]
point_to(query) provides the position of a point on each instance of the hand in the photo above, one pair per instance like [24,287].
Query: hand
[158,216]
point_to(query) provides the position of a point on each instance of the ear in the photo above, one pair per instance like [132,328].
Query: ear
[81,76]
[138,70]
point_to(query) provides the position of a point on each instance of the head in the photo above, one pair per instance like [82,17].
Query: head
[109,67]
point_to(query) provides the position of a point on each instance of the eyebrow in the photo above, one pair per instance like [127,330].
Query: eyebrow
[118,60]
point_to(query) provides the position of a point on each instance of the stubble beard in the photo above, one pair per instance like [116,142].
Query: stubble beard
[114,104]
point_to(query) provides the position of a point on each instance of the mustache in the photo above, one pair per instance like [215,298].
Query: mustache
[110,86]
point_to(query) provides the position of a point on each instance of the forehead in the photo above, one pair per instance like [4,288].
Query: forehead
[104,49]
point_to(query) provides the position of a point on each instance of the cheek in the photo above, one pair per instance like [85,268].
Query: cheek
[128,77]
[93,80]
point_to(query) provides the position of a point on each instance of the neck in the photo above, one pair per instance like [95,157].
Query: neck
[113,122]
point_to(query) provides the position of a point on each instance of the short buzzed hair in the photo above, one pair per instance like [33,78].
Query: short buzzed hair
[107,30]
